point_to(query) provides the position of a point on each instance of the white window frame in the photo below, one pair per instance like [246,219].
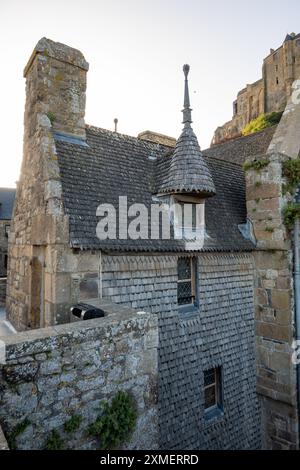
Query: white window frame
[185,231]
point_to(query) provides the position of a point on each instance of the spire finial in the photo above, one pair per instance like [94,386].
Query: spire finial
[187,112]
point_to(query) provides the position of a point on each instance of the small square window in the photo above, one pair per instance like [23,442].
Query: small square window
[186,284]
[212,389]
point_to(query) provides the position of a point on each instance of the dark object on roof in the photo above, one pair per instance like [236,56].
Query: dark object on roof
[188,171]
[86,311]
[7,198]
[114,165]
[238,150]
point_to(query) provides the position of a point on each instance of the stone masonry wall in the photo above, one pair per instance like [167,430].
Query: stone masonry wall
[276,374]
[55,373]
[219,333]
[55,101]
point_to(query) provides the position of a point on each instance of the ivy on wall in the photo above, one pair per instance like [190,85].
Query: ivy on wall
[291,171]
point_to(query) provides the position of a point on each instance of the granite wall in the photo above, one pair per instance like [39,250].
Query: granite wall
[274,285]
[55,373]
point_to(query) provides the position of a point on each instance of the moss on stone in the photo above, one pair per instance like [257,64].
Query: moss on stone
[256,165]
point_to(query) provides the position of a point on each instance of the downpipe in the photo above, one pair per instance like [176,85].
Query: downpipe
[297,304]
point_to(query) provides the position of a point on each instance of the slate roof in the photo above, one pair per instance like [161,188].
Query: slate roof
[114,165]
[188,171]
[7,198]
[238,150]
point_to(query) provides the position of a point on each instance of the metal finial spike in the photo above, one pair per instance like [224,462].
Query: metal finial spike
[186,69]
[116,124]
[187,115]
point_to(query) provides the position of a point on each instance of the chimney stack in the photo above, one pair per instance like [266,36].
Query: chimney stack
[55,87]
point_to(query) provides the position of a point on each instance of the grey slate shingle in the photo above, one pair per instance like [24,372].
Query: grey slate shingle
[188,171]
[238,150]
[116,165]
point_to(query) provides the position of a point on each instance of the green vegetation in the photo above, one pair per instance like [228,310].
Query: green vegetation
[54,441]
[291,212]
[115,425]
[73,423]
[291,171]
[262,122]
[18,429]
[51,116]
[255,165]
[269,229]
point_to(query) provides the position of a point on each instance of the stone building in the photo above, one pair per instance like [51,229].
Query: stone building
[270,93]
[210,298]
[7,197]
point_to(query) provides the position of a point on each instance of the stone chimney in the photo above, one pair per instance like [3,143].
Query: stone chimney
[55,87]
[55,107]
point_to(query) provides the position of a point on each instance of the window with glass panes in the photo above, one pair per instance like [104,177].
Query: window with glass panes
[212,388]
[186,284]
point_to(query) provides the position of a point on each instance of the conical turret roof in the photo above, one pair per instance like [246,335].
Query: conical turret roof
[188,172]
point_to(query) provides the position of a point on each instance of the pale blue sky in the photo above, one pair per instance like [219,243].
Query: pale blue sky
[136,49]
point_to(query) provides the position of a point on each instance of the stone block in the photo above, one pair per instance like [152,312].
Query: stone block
[273,331]
[263,191]
[281,299]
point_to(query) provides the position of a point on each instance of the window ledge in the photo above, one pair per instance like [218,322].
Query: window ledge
[213,415]
[188,310]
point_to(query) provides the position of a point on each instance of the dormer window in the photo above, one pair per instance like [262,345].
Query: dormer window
[189,217]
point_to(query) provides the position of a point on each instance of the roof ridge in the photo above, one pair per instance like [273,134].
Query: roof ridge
[135,138]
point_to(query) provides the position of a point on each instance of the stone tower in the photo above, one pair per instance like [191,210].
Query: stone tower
[280,68]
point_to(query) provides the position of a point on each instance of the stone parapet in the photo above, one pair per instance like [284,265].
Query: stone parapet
[54,373]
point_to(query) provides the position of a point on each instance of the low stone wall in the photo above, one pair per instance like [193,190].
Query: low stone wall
[2,291]
[54,373]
